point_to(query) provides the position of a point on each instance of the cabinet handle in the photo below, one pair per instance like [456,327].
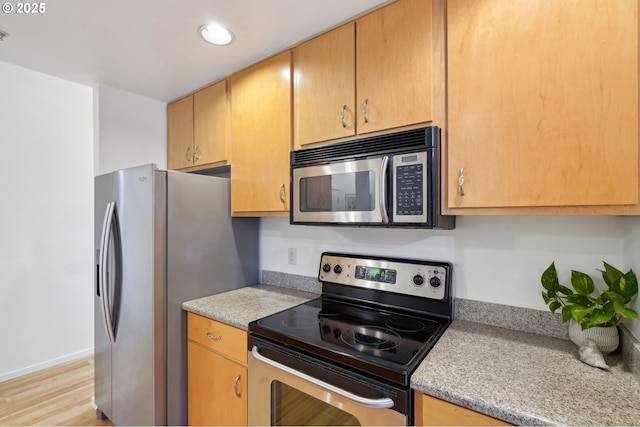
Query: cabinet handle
[213,337]
[187,155]
[461,182]
[365,104]
[195,153]
[282,193]
[344,107]
[236,387]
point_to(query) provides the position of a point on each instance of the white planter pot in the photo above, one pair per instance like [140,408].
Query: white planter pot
[606,338]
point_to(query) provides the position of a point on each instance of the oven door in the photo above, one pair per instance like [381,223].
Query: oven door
[286,389]
[349,192]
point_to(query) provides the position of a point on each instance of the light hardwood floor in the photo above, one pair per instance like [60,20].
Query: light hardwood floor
[58,396]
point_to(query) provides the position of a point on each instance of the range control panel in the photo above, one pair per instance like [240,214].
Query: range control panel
[426,279]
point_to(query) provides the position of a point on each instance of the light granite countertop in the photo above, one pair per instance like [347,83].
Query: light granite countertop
[520,377]
[241,306]
[526,379]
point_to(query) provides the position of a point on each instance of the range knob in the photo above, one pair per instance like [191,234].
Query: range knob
[337,269]
[434,282]
[326,268]
[418,279]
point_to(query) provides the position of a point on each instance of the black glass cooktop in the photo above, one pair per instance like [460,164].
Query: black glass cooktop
[381,341]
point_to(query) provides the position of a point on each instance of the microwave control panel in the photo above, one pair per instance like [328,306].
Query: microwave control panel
[410,187]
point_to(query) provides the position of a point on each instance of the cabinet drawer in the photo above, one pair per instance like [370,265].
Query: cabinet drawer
[217,336]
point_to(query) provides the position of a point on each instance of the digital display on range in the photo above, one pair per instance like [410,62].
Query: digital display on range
[374,274]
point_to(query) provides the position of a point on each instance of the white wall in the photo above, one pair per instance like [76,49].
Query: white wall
[46,206]
[496,259]
[131,130]
[632,260]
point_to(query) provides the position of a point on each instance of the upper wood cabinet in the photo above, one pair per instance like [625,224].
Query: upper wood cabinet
[261,138]
[368,75]
[542,103]
[180,133]
[325,86]
[393,66]
[198,128]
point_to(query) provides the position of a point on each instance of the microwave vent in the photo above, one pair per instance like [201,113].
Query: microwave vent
[414,139]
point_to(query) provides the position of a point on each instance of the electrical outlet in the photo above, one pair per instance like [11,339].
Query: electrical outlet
[292,256]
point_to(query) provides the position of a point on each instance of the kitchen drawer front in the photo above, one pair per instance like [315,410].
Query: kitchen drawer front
[217,336]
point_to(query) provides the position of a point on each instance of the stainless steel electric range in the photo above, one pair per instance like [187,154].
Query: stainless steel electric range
[346,357]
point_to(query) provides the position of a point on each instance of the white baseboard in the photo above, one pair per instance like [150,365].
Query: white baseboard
[44,365]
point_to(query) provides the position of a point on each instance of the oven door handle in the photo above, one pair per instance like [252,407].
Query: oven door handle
[364,401]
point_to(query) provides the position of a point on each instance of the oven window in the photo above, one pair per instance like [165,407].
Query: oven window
[344,192]
[292,407]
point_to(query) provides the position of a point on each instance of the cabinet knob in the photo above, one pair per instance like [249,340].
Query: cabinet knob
[213,337]
[342,110]
[187,155]
[365,105]
[236,387]
[461,182]
[195,153]
[282,193]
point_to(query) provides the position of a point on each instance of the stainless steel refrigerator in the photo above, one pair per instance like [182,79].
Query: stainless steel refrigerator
[161,238]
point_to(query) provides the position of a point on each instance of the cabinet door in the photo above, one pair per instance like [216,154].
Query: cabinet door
[542,102]
[180,133]
[324,79]
[431,411]
[217,389]
[261,137]
[393,66]
[210,124]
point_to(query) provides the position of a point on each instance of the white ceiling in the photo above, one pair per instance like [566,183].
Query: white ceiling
[152,48]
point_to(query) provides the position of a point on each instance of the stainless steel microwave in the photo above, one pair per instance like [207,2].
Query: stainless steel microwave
[390,180]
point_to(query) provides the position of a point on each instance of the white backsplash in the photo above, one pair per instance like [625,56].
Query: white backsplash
[496,259]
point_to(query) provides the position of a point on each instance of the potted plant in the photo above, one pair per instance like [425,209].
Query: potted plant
[592,314]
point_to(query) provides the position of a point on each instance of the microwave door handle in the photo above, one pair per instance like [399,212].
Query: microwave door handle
[364,401]
[383,189]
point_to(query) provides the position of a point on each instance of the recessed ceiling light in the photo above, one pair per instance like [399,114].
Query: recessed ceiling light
[216,34]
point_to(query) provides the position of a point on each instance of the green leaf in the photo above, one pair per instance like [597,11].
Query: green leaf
[617,285]
[566,313]
[584,323]
[608,308]
[564,290]
[610,274]
[545,298]
[598,318]
[612,296]
[630,288]
[624,312]
[582,283]
[578,313]
[554,306]
[549,279]
[579,300]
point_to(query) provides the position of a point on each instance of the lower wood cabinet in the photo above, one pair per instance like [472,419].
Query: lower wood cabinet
[431,411]
[217,374]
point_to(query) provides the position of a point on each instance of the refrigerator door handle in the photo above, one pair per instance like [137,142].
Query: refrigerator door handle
[105,243]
